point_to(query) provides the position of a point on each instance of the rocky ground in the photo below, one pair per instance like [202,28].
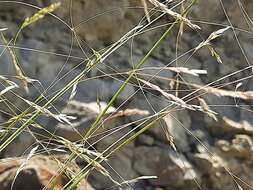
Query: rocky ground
[211,154]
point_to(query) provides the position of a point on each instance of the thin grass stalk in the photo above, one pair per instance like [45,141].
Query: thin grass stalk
[99,118]
[60,93]
[30,120]
[132,73]
[81,175]
[142,62]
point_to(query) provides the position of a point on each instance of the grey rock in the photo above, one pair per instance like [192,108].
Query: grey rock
[146,140]
[92,89]
[127,93]
[20,146]
[217,167]
[84,115]
[162,163]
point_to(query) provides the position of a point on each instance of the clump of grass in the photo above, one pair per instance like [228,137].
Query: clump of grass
[76,150]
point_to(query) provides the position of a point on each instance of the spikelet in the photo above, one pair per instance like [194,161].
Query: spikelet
[41,14]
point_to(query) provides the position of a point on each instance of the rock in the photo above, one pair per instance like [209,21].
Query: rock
[128,91]
[237,16]
[240,147]
[7,69]
[92,89]
[91,24]
[84,115]
[120,164]
[217,169]
[152,105]
[174,125]
[160,131]
[36,173]
[213,168]
[144,139]
[155,161]
[248,48]
[19,146]
[198,136]
[156,68]
[214,14]
[120,169]
[223,111]
[178,123]
[227,125]
[246,113]
[6,65]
